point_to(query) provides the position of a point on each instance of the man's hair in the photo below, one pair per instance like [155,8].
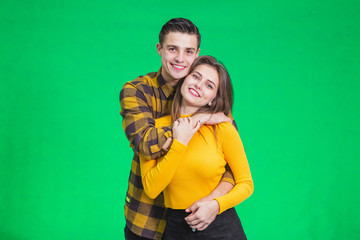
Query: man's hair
[179,25]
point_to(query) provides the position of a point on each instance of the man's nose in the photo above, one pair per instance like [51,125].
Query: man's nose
[180,57]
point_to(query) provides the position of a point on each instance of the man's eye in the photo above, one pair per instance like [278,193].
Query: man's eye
[190,52]
[171,49]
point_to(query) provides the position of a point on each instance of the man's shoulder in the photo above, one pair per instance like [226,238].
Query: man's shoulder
[149,79]
[145,85]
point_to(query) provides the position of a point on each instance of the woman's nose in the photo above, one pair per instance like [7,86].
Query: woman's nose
[198,84]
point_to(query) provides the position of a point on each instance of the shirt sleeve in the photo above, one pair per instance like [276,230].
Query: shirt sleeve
[139,124]
[228,175]
[235,156]
[156,175]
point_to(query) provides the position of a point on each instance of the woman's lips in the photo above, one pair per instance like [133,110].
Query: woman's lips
[194,92]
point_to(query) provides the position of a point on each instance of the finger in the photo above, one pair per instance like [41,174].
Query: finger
[203,227]
[188,216]
[197,126]
[195,223]
[200,226]
[193,207]
[192,218]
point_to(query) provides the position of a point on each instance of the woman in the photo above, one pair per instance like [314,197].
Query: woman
[196,161]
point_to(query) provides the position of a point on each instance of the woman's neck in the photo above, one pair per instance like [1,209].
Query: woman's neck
[188,110]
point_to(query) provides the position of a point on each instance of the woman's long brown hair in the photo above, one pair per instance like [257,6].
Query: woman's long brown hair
[224,98]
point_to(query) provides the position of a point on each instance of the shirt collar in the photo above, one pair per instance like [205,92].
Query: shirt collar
[165,87]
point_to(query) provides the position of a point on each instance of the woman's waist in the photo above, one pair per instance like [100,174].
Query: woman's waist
[182,214]
[182,197]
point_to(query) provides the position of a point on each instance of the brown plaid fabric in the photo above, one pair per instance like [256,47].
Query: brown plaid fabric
[143,100]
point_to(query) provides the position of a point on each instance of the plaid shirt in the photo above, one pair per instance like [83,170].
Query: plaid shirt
[142,101]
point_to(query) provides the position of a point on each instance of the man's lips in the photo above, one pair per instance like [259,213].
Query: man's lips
[194,92]
[178,67]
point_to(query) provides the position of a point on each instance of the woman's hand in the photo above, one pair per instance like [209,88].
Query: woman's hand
[202,214]
[184,129]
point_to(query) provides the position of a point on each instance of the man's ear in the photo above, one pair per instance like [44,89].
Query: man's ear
[198,51]
[158,48]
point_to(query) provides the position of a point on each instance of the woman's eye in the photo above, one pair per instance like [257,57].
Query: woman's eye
[209,86]
[196,77]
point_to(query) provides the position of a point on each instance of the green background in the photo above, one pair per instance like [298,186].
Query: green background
[64,159]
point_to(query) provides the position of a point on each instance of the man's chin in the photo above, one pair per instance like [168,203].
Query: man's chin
[179,75]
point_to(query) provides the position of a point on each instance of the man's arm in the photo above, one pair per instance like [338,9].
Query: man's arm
[139,124]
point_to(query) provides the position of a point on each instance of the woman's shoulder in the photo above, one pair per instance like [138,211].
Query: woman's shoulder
[226,126]
[228,133]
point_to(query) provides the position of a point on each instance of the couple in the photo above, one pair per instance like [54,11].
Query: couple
[178,172]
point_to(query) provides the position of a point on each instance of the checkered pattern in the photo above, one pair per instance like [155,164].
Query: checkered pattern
[143,100]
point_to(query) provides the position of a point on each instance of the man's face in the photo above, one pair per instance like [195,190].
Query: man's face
[178,52]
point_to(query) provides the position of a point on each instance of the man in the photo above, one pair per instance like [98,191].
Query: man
[142,101]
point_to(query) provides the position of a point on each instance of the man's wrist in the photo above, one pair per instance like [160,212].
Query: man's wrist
[167,144]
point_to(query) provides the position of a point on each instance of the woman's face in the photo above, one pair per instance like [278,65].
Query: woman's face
[199,88]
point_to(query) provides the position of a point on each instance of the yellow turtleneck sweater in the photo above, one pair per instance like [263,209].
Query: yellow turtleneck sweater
[188,173]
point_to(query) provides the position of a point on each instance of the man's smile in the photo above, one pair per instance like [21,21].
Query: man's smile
[177,67]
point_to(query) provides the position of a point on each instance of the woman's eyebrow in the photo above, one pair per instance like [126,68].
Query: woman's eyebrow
[212,82]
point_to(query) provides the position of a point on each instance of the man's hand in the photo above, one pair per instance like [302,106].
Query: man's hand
[184,129]
[203,212]
[211,119]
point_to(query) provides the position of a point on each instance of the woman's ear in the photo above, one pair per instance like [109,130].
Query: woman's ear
[212,102]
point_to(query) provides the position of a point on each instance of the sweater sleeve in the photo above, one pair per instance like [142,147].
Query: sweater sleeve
[234,155]
[157,174]
[228,175]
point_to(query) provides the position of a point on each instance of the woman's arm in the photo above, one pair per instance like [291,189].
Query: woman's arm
[234,155]
[156,175]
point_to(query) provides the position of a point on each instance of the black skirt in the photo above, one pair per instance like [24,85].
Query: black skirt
[227,225]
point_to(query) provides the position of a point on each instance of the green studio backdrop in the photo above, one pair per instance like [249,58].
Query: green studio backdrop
[65,161]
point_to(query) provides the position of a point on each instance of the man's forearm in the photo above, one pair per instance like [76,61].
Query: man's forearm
[221,189]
